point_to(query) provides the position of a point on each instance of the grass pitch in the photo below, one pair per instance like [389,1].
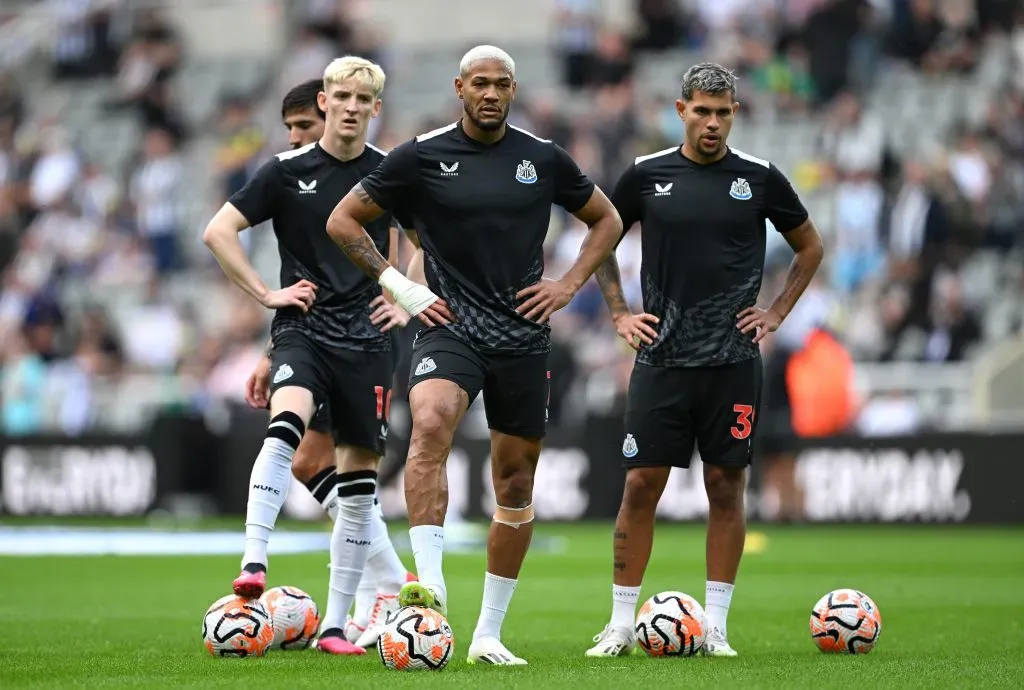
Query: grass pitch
[952,602]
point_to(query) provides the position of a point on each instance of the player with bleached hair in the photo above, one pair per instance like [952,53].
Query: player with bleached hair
[331,348]
[479,193]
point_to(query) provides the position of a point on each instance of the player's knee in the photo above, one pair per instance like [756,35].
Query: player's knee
[643,489]
[513,486]
[725,486]
[432,430]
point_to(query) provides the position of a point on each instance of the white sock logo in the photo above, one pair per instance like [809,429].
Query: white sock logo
[284,372]
[425,366]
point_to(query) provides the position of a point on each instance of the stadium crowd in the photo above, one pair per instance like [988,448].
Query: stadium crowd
[902,231]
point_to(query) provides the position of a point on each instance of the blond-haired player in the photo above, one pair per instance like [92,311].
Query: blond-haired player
[331,346]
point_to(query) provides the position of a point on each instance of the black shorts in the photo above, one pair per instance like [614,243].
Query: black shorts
[351,388]
[670,408]
[516,388]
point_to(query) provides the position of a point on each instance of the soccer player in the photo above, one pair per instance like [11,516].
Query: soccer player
[328,352]
[479,193]
[697,378]
[314,463]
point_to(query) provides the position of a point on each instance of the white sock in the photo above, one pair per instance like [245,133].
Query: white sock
[717,597]
[383,562]
[324,487]
[497,595]
[268,488]
[427,548]
[366,597]
[349,543]
[624,606]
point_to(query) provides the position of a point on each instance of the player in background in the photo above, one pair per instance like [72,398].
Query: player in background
[702,208]
[314,463]
[479,193]
[328,350]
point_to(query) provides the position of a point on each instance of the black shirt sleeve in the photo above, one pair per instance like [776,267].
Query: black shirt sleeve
[782,205]
[573,189]
[626,198]
[394,178]
[257,200]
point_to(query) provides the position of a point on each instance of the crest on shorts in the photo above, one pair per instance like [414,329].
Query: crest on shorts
[425,366]
[740,189]
[629,448]
[526,173]
[284,372]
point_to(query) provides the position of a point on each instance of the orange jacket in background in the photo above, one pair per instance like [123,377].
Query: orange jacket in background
[819,379]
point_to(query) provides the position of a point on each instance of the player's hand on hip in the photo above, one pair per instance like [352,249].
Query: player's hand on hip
[257,386]
[543,299]
[637,328]
[301,295]
[436,314]
[763,321]
[386,315]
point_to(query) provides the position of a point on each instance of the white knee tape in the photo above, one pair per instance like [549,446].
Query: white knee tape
[513,517]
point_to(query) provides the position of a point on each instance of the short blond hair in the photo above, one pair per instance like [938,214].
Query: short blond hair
[344,68]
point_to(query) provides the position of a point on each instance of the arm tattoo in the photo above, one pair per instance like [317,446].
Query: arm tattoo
[364,254]
[361,194]
[270,347]
[800,273]
[610,280]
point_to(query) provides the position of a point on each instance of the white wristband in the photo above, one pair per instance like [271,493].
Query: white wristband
[412,296]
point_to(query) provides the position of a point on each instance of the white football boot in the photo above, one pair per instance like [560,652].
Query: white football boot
[715,644]
[611,641]
[490,650]
[385,605]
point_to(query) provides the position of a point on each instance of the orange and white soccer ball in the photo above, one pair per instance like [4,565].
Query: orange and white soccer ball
[235,626]
[846,622]
[671,624]
[416,638]
[295,615]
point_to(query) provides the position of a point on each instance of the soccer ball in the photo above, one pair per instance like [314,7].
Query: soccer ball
[295,617]
[235,626]
[670,624]
[846,621]
[416,638]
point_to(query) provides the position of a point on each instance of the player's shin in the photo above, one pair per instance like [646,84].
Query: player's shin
[350,543]
[633,539]
[268,485]
[725,537]
[507,544]
[382,562]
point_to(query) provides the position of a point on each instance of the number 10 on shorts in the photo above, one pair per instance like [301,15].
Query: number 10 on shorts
[384,403]
[744,421]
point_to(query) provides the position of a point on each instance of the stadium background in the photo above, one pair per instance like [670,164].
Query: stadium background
[895,390]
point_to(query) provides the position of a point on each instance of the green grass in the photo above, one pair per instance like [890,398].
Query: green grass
[952,601]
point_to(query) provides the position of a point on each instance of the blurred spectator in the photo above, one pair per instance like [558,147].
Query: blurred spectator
[857,255]
[156,189]
[852,142]
[611,63]
[953,329]
[241,142]
[785,75]
[22,385]
[662,25]
[576,39]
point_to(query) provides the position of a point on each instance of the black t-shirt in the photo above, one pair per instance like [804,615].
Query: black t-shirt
[297,190]
[482,213]
[703,242]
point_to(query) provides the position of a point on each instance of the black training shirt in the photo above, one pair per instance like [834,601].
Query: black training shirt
[297,190]
[482,213]
[703,242]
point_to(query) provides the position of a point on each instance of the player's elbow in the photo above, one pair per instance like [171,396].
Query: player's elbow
[212,235]
[338,225]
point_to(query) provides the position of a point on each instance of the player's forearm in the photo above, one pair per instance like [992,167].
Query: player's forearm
[610,281]
[597,247]
[348,234]
[230,254]
[801,271]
